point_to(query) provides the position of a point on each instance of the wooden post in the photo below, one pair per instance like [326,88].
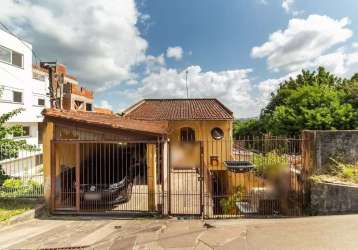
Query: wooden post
[48,162]
[78,164]
[151,176]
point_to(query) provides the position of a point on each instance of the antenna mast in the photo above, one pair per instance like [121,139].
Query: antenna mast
[186,84]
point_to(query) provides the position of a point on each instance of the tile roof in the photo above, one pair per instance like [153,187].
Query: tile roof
[179,109]
[108,120]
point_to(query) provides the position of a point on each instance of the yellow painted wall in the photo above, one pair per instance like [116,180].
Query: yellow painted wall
[220,148]
[65,155]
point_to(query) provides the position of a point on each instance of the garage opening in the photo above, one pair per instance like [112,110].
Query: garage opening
[112,177]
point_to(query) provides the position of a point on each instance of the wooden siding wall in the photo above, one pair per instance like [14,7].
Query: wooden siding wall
[64,131]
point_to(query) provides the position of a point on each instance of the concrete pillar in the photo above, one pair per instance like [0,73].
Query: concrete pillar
[47,138]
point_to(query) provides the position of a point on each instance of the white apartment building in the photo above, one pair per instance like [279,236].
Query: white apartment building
[22,86]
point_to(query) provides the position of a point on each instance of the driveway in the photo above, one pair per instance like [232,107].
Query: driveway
[331,232]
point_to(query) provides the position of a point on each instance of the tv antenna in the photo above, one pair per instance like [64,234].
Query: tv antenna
[186,84]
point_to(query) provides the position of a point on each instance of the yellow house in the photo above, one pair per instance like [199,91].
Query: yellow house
[202,129]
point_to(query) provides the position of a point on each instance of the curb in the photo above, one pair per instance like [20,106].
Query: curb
[31,214]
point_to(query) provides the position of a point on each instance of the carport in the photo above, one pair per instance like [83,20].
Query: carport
[103,163]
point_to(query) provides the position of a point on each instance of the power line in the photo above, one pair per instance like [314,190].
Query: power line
[37,58]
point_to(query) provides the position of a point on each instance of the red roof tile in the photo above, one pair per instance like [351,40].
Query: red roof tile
[108,120]
[179,109]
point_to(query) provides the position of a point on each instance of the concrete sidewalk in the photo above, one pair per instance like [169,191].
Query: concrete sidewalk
[331,232]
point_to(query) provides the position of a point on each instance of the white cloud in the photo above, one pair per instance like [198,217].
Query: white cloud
[232,87]
[106,104]
[355,45]
[287,5]
[154,64]
[302,42]
[175,53]
[99,40]
[340,63]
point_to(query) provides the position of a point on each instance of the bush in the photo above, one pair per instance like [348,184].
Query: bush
[3,176]
[15,187]
[347,172]
[228,204]
[338,172]
[270,165]
[13,183]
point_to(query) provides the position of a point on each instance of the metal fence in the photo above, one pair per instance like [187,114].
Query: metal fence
[107,177]
[219,178]
[254,177]
[21,173]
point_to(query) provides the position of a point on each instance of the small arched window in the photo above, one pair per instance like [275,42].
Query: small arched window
[187,134]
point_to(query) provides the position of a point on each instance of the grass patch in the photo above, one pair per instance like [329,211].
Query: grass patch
[10,208]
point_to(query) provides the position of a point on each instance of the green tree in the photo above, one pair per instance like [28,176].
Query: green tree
[312,107]
[313,100]
[321,77]
[249,127]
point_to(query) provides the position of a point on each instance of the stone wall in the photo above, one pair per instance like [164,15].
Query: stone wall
[318,148]
[332,198]
[322,145]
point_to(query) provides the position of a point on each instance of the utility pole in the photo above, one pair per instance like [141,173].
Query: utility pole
[50,66]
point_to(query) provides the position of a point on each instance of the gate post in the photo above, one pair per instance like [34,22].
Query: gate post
[48,161]
[151,176]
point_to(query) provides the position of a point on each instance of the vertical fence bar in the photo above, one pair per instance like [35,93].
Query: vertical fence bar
[78,173]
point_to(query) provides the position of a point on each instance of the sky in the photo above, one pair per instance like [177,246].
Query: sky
[235,50]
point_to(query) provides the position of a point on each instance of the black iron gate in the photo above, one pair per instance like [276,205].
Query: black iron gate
[186,179]
[253,177]
[106,177]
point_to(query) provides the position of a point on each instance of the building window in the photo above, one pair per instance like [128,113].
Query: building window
[40,129]
[38,160]
[217,133]
[41,102]
[25,132]
[11,57]
[5,55]
[17,59]
[17,96]
[187,134]
[78,105]
[88,106]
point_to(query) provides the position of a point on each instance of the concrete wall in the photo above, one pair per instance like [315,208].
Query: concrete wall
[341,145]
[332,198]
